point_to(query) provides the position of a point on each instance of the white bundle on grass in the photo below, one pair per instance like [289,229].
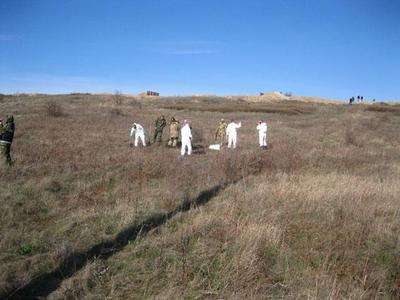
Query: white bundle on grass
[215,147]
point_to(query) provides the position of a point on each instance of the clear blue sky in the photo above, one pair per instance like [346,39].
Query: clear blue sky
[328,48]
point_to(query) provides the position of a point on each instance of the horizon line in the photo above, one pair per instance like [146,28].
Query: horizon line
[266,94]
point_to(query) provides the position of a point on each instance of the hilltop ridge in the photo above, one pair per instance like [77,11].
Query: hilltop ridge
[273,96]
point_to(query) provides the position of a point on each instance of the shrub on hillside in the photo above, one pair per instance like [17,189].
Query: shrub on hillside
[351,138]
[116,112]
[25,249]
[135,103]
[118,97]
[233,166]
[285,157]
[281,108]
[54,109]
[198,135]
[384,107]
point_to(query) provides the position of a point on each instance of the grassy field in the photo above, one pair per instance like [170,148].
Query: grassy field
[84,216]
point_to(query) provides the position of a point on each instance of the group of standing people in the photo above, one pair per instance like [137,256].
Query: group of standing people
[6,137]
[224,134]
[360,99]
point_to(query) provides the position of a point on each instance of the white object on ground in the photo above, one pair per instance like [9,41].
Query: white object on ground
[215,147]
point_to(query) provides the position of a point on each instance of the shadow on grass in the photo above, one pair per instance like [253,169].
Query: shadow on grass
[45,284]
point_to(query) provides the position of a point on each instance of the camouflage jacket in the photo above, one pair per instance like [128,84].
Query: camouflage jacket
[160,123]
[7,131]
[174,129]
[221,130]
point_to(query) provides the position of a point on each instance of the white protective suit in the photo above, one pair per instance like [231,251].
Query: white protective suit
[262,134]
[231,133]
[139,134]
[186,138]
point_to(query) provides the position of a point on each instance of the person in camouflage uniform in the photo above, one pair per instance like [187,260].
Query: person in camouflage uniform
[159,127]
[220,132]
[6,138]
[173,133]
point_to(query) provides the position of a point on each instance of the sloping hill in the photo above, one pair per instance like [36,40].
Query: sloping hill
[84,216]
[277,96]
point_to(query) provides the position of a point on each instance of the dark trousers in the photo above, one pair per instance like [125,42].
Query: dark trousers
[5,150]
[157,135]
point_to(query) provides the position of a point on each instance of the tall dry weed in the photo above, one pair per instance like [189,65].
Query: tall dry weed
[351,138]
[54,109]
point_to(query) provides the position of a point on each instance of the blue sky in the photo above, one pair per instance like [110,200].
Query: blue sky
[329,48]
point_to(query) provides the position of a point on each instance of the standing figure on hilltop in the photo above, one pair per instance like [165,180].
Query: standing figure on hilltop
[6,138]
[220,132]
[159,127]
[186,138]
[173,133]
[138,131]
[231,133]
[262,134]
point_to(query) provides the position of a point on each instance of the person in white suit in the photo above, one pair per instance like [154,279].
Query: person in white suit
[138,131]
[231,133]
[186,138]
[262,134]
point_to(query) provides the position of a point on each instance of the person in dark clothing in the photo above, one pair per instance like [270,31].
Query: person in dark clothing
[159,127]
[6,138]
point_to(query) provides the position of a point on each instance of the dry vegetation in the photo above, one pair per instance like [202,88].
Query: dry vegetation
[316,216]
[223,105]
[384,107]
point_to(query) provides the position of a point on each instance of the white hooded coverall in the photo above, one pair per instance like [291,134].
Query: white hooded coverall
[139,134]
[262,134]
[186,138]
[231,132]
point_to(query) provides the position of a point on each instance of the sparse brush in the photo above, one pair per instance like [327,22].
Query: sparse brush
[54,109]
[384,107]
[116,112]
[351,138]
[91,276]
[233,166]
[313,216]
[288,109]
[135,103]
[198,135]
[118,97]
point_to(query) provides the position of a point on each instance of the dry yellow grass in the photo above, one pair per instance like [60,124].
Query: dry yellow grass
[314,216]
[385,108]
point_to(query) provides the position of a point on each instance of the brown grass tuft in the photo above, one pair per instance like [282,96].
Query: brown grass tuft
[54,109]
[350,138]
[288,109]
[395,109]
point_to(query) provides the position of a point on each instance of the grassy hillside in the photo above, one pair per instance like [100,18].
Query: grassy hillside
[86,216]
